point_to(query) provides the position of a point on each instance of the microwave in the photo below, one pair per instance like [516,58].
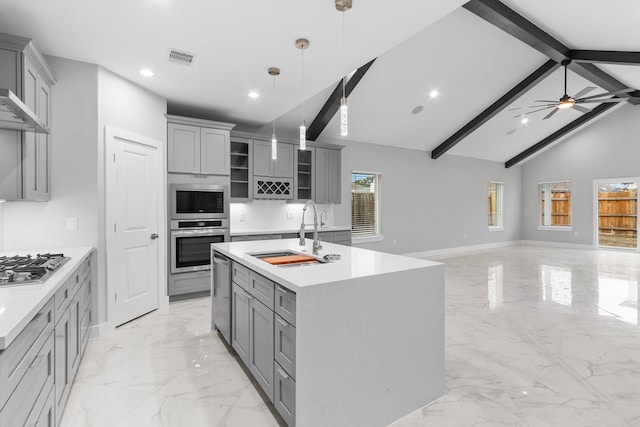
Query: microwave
[198,201]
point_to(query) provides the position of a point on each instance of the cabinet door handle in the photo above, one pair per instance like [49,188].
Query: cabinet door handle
[246,294]
[37,361]
[282,322]
[283,290]
[283,374]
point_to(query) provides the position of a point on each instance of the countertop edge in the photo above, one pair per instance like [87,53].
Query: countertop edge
[9,332]
[257,232]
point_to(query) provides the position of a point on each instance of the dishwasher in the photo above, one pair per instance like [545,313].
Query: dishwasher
[221,295]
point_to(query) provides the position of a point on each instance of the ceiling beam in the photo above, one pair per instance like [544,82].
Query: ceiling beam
[543,71]
[331,107]
[559,134]
[606,57]
[500,15]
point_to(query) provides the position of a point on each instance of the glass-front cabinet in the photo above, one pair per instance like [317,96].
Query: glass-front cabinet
[304,173]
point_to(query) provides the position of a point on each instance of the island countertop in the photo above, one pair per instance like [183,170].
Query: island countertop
[18,304]
[353,263]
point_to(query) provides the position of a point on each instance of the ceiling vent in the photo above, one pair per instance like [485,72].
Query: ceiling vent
[180,57]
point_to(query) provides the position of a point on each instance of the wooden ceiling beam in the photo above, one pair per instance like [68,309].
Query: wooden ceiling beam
[500,15]
[331,107]
[606,57]
[559,134]
[531,80]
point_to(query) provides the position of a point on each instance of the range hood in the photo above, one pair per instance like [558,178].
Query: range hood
[14,114]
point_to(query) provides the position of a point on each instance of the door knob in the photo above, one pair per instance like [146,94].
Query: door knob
[154,236]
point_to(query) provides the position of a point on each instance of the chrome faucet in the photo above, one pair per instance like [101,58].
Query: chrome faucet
[323,213]
[316,241]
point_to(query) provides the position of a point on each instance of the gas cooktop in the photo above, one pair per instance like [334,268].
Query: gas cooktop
[19,269]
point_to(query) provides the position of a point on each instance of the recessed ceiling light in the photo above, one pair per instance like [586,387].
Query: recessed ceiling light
[433,94]
[253,95]
[524,121]
[146,72]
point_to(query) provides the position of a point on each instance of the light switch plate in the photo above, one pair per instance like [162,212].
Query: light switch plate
[72,224]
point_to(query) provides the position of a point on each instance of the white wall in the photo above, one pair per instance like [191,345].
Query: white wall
[609,148]
[430,204]
[73,167]
[127,106]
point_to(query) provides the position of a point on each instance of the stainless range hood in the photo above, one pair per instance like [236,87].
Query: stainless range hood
[14,114]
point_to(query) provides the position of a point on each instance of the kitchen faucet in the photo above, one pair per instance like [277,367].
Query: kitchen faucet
[323,213]
[316,241]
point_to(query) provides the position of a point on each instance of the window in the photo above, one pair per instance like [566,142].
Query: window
[495,205]
[555,204]
[365,205]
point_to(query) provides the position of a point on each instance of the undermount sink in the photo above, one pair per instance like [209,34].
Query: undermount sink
[288,258]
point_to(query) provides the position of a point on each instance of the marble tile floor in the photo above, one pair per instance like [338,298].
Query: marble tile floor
[535,336]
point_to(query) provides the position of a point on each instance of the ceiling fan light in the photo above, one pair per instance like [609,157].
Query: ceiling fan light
[566,103]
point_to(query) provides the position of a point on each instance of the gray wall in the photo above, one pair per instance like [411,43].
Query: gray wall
[609,148]
[430,204]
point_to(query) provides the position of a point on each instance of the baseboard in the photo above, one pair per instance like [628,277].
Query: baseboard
[101,330]
[462,249]
[557,244]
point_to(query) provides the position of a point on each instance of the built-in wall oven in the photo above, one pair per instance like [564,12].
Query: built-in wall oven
[198,201]
[191,243]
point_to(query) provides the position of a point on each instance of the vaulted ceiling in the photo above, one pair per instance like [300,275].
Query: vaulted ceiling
[418,46]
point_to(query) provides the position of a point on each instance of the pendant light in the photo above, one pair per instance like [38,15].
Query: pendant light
[343,6]
[274,71]
[302,44]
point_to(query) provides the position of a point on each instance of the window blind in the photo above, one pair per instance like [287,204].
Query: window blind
[365,204]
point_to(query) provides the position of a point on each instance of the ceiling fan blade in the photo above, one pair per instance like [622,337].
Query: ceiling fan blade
[511,132]
[597,101]
[531,106]
[550,114]
[546,100]
[531,112]
[584,91]
[616,92]
[581,109]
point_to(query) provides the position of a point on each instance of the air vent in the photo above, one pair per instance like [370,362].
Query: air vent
[180,57]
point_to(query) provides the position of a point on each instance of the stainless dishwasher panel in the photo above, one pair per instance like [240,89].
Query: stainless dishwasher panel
[221,295]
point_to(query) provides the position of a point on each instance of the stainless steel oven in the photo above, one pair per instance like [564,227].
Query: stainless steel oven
[198,201]
[191,243]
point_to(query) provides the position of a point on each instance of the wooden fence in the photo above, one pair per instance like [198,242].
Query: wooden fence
[617,212]
[560,209]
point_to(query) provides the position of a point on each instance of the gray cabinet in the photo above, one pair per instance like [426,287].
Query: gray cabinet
[198,146]
[240,306]
[241,169]
[264,166]
[284,396]
[304,167]
[285,345]
[327,175]
[25,164]
[261,345]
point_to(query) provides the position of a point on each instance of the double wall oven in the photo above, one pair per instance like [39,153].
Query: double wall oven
[199,216]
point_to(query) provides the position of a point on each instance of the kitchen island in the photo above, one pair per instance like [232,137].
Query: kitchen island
[366,332]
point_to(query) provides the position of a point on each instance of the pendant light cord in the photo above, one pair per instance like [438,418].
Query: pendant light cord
[344,79]
[302,80]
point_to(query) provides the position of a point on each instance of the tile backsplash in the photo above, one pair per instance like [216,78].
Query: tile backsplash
[273,215]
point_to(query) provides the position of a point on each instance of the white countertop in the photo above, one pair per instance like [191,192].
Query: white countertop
[257,231]
[18,304]
[354,262]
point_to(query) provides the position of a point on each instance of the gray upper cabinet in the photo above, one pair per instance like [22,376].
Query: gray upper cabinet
[198,146]
[26,154]
[327,175]
[304,167]
[263,165]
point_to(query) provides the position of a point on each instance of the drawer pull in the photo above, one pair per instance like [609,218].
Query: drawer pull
[283,290]
[283,374]
[37,361]
[282,322]
[246,294]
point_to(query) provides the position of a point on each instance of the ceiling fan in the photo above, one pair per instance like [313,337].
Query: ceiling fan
[566,101]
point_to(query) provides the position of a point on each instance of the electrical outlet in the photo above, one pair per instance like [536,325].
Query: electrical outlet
[289,215]
[464,235]
[72,224]
[395,242]
[241,216]
[575,233]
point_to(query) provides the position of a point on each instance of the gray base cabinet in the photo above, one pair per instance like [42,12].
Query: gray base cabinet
[264,335]
[38,368]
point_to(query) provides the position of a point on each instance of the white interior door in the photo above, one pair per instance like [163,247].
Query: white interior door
[133,180]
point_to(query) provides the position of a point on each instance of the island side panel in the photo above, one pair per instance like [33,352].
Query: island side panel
[369,350]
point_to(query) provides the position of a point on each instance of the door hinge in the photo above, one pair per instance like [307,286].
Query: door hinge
[114,157]
[114,227]
[116,295]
